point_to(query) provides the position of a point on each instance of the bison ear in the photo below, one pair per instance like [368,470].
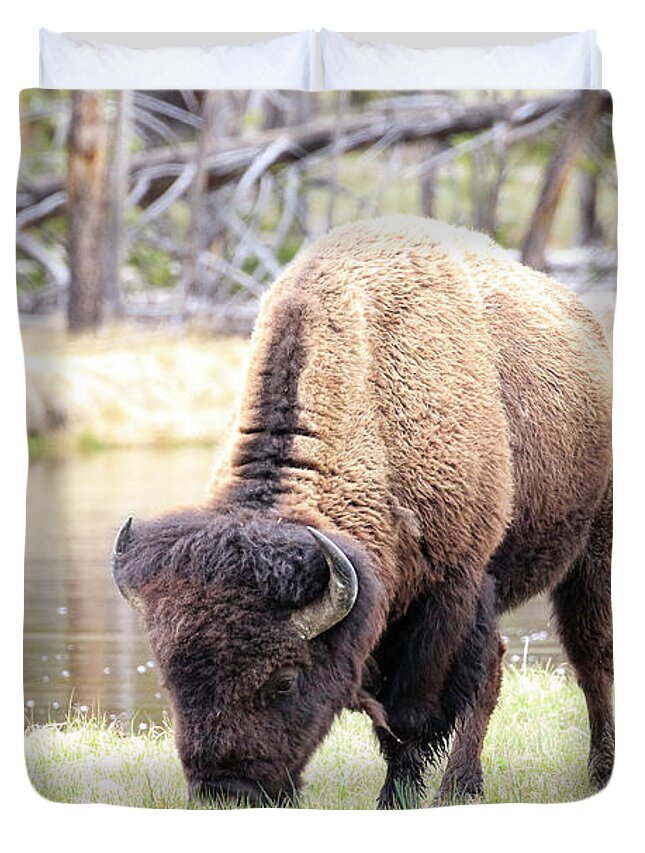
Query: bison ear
[119,550]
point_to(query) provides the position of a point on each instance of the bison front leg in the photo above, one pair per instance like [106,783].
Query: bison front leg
[463,777]
[404,784]
[434,662]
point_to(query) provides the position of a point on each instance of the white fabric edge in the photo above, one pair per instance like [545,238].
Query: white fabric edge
[53,44]
[334,44]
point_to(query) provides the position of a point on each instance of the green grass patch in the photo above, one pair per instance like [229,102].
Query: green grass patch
[535,752]
[41,446]
[89,442]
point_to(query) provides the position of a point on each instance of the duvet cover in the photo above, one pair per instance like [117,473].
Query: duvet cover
[319,415]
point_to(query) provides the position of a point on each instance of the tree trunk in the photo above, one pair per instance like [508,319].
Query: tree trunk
[575,136]
[116,196]
[342,102]
[195,236]
[590,229]
[88,211]
[428,180]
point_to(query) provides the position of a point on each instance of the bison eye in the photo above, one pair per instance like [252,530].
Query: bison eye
[285,685]
[280,684]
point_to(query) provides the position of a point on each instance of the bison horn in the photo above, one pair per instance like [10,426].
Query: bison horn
[337,600]
[122,537]
[120,544]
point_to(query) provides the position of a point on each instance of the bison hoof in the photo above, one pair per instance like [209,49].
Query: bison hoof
[460,789]
[601,758]
[600,768]
[399,795]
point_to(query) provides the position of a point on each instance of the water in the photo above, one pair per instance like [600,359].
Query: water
[83,646]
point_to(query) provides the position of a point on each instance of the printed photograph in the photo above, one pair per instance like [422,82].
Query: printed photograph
[319,398]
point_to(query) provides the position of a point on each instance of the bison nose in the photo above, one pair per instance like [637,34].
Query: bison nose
[232,793]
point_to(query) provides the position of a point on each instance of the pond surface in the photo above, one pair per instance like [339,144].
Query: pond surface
[83,647]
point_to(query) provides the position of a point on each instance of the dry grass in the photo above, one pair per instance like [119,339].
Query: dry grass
[130,386]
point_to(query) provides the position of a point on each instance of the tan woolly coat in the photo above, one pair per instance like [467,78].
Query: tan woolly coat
[436,394]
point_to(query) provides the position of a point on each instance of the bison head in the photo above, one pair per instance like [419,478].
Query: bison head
[261,629]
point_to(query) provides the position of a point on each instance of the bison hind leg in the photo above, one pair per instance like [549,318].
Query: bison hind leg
[582,603]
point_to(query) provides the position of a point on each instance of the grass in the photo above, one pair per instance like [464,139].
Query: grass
[535,751]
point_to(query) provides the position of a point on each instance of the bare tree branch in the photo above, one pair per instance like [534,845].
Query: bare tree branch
[575,136]
[159,169]
[174,192]
[53,264]
[41,210]
[264,255]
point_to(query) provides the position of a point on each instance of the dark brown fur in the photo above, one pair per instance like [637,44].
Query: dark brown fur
[444,415]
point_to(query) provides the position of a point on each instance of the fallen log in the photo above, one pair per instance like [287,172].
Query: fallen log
[152,173]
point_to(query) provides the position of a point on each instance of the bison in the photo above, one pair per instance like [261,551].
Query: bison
[422,443]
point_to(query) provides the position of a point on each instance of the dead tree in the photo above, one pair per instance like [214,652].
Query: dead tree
[195,236]
[119,167]
[589,228]
[488,172]
[154,172]
[428,181]
[342,102]
[575,137]
[88,211]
